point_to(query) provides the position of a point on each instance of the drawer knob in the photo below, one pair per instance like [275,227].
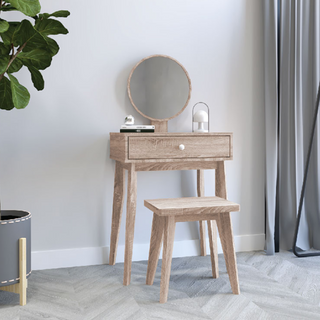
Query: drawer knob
[181,147]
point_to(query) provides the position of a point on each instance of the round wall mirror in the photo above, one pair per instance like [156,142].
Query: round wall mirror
[159,87]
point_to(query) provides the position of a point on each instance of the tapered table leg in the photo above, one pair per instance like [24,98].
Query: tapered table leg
[226,237]
[200,191]
[155,247]
[118,198]
[130,220]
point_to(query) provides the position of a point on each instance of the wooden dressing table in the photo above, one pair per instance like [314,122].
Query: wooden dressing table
[159,88]
[160,151]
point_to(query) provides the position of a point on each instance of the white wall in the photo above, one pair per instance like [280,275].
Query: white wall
[55,154]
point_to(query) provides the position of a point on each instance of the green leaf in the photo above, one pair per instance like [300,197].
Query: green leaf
[7,37]
[50,26]
[25,33]
[15,66]
[37,78]
[28,7]
[52,45]
[4,49]
[4,60]
[5,94]
[8,8]
[38,58]
[57,14]
[20,94]
[4,26]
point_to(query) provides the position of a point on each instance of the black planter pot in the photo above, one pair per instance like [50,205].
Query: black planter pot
[13,226]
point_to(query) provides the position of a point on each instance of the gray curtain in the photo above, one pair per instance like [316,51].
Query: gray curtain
[292,75]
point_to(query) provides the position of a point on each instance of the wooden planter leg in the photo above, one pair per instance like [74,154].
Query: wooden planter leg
[23,271]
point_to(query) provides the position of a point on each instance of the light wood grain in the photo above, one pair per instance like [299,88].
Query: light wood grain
[23,271]
[226,237]
[119,147]
[165,134]
[160,125]
[191,205]
[168,240]
[129,81]
[164,209]
[130,221]
[118,199]
[196,217]
[202,224]
[119,151]
[15,288]
[168,147]
[213,242]
[176,165]
[155,247]
[200,161]
[221,187]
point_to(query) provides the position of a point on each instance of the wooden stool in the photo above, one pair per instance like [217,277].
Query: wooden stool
[169,211]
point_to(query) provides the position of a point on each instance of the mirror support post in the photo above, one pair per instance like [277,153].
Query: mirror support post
[160,125]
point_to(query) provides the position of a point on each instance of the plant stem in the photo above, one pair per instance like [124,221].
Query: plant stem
[12,58]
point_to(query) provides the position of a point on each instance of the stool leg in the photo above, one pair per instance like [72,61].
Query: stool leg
[226,237]
[155,247]
[168,240]
[212,231]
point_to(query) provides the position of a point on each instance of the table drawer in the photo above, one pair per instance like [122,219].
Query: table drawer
[157,147]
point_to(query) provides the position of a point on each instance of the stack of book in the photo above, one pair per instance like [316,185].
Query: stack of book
[136,128]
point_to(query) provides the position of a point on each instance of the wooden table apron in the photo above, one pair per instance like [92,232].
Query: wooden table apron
[119,152]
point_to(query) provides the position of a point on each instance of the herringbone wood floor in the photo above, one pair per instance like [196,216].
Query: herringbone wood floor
[272,287]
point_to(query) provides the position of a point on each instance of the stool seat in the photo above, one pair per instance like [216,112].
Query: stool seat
[190,205]
[166,212]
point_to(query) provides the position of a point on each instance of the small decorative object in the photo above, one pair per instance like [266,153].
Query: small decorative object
[201,117]
[129,120]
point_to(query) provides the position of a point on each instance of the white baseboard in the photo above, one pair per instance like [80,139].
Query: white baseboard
[77,257]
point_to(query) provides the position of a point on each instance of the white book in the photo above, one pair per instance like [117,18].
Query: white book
[138,126]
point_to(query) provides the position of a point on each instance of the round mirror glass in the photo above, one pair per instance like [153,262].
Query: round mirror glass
[159,87]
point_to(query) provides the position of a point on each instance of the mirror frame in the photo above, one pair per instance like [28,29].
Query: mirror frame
[129,91]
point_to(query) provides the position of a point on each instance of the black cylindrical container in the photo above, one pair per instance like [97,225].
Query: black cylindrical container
[13,226]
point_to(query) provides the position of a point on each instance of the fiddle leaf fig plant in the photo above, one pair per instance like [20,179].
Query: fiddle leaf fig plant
[26,43]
